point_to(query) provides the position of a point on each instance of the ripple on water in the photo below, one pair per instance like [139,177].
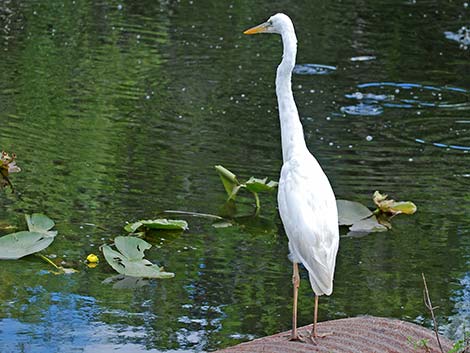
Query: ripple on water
[313,69]
[362,109]
[433,113]
[462,36]
[405,95]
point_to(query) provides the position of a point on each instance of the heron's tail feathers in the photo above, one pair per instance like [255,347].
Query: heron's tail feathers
[321,283]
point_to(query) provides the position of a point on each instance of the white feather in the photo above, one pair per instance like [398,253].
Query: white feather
[307,204]
[308,211]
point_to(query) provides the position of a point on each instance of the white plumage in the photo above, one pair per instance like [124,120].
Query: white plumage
[306,200]
[308,211]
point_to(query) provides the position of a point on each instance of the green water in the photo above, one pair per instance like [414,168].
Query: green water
[119,110]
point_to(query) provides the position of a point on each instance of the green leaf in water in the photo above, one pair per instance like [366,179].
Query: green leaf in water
[40,223]
[129,259]
[16,245]
[392,206]
[351,212]
[260,185]
[161,223]
[229,180]
[368,225]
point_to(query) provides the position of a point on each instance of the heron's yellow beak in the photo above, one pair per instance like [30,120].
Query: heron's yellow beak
[257,29]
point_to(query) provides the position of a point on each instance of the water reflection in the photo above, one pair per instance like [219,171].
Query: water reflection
[459,321]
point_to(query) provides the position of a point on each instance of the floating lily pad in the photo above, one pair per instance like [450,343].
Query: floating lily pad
[161,223]
[38,222]
[350,212]
[368,225]
[363,221]
[16,245]
[129,259]
[260,185]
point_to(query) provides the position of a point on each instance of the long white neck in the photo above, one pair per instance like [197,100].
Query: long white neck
[292,135]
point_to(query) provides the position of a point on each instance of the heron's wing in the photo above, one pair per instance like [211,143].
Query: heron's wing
[308,211]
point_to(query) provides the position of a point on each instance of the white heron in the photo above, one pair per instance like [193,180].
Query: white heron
[307,204]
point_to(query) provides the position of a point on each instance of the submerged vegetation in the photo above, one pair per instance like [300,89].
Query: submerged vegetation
[254,185]
[128,257]
[361,220]
[161,223]
[7,167]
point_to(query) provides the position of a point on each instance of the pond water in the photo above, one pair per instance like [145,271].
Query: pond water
[119,110]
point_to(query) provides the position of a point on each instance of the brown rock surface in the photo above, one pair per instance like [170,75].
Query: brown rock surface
[365,334]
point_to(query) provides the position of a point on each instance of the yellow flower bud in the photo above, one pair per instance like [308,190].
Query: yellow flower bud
[92,258]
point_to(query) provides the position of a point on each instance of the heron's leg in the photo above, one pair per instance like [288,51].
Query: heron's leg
[315,334]
[296,282]
[315,317]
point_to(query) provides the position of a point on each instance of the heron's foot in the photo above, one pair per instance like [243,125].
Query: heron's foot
[316,335]
[296,337]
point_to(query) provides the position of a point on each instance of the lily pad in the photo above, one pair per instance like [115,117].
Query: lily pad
[129,259]
[260,185]
[40,223]
[368,225]
[161,223]
[16,245]
[351,212]
[392,206]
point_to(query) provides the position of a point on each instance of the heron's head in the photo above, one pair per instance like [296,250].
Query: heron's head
[278,23]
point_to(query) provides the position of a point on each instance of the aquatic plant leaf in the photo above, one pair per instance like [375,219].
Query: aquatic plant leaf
[259,185]
[7,166]
[16,245]
[161,223]
[131,247]
[38,222]
[406,207]
[129,261]
[229,180]
[351,212]
[189,213]
[392,206]
[368,225]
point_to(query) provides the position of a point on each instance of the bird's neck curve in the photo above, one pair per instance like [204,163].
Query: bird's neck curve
[292,134]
